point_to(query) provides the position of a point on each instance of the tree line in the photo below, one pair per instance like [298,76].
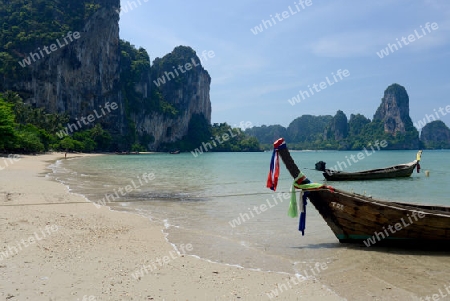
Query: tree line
[24,129]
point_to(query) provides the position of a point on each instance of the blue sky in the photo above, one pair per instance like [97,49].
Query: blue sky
[254,75]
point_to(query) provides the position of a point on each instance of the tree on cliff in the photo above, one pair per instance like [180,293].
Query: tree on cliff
[267,134]
[8,134]
[308,129]
[356,124]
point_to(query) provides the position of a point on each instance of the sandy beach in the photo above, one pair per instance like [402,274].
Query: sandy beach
[58,246]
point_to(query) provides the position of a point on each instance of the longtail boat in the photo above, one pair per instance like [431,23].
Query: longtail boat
[396,171]
[355,218]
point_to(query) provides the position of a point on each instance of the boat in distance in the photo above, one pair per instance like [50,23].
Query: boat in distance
[356,218]
[396,171]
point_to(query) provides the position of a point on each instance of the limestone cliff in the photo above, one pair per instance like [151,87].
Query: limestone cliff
[392,118]
[337,129]
[82,75]
[86,73]
[393,111]
[185,90]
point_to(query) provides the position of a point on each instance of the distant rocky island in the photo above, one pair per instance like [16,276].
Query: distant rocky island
[391,122]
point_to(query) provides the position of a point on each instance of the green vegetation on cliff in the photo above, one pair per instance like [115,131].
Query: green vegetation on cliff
[28,25]
[266,135]
[235,141]
[305,132]
[8,134]
[135,66]
[25,129]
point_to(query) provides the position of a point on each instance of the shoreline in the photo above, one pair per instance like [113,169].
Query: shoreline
[96,252]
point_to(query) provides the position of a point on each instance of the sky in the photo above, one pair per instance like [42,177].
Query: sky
[322,56]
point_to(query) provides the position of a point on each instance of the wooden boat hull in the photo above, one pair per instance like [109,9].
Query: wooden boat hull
[397,171]
[354,218]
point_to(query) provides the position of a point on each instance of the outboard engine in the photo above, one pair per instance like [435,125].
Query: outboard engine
[320,165]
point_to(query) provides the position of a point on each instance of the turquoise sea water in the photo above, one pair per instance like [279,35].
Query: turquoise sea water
[197,199]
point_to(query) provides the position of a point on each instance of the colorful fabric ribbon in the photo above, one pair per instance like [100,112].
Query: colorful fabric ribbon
[303,183]
[274,172]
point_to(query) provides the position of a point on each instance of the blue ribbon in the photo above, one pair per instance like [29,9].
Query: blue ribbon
[302,223]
